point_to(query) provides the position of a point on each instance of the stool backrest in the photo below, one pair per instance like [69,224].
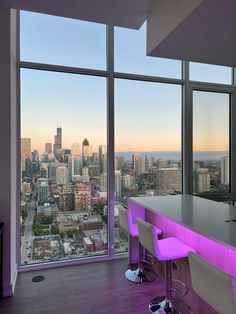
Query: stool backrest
[148,236]
[123,219]
[213,285]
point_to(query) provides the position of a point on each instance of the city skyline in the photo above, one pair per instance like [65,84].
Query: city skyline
[78,102]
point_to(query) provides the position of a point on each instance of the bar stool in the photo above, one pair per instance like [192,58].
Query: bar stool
[213,285]
[128,224]
[164,250]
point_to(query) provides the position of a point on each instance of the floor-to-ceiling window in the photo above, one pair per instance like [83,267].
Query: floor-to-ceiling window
[147,123]
[96,90]
[63,139]
[211,144]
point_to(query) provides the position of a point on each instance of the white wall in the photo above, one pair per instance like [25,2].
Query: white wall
[164,16]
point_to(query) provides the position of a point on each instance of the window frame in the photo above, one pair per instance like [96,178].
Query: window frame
[186,134]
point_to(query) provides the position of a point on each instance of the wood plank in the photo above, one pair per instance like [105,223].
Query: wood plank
[84,289]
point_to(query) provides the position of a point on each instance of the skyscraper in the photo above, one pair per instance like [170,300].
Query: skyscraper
[224,167]
[141,165]
[28,167]
[74,166]
[86,151]
[120,161]
[135,159]
[75,149]
[202,180]
[61,175]
[57,141]
[43,190]
[48,148]
[102,158]
[118,183]
[26,147]
[103,181]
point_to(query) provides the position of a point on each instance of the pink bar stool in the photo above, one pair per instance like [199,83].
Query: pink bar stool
[128,224]
[164,250]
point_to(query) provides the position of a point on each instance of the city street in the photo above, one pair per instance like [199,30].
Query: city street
[27,239]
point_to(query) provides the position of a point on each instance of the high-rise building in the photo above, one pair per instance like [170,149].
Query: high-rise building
[61,175]
[135,159]
[161,163]
[120,162]
[25,188]
[127,181]
[74,166]
[28,167]
[64,155]
[67,198]
[142,164]
[118,183]
[103,181]
[168,180]
[116,164]
[86,151]
[85,175]
[44,170]
[75,149]
[43,190]
[48,148]
[57,141]
[102,155]
[224,167]
[26,147]
[52,169]
[83,197]
[202,180]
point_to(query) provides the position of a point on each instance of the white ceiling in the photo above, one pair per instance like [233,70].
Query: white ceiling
[124,13]
[193,30]
[207,34]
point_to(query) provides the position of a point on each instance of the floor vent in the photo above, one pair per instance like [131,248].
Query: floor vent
[38,278]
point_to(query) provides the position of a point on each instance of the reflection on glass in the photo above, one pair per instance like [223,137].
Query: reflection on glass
[210,73]
[211,165]
[63,161]
[130,55]
[62,41]
[147,143]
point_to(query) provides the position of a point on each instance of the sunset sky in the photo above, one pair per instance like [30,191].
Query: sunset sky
[147,115]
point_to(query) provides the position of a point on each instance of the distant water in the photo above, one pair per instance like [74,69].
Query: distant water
[176,155]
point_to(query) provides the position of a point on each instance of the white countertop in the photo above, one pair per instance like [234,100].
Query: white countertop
[201,215]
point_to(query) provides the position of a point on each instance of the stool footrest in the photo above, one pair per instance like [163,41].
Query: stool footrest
[183,284]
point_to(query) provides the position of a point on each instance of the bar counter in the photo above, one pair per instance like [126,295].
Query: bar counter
[208,226]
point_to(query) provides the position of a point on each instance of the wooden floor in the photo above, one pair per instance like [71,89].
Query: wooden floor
[85,289]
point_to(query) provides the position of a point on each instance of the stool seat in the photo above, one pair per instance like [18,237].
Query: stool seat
[166,250]
[128,223]
[172,248]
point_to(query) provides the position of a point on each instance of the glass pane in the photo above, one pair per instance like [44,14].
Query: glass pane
[147,142]
[210,73]
[130,55]
[211,145]
[62,41]
[63,208]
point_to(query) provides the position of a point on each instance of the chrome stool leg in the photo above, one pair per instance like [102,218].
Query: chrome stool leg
[141,274]
[164,303]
